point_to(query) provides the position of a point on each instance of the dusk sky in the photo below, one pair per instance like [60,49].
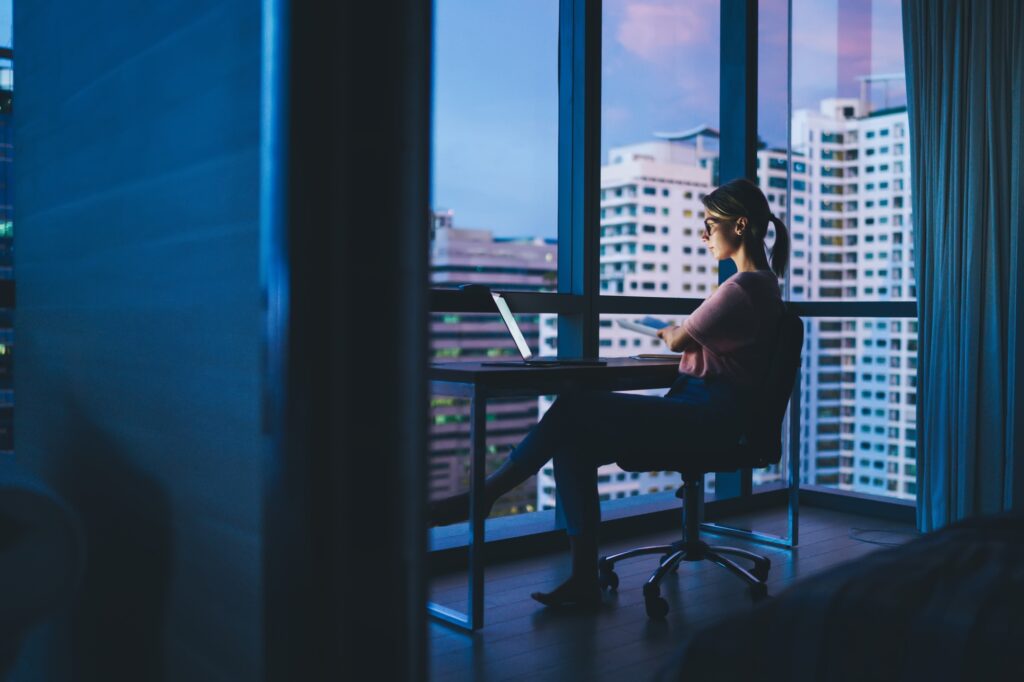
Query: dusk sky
[5,23]
[496,87]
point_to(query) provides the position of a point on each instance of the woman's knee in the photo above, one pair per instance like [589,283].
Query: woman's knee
[572,406]
[573,462]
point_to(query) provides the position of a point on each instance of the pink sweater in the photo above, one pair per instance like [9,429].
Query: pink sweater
[735,328]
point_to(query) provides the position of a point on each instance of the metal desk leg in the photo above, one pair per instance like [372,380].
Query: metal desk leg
[477,473]
[474,620]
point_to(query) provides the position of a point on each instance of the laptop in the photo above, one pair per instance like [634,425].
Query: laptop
[524,348]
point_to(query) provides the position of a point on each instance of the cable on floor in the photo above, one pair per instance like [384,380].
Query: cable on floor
[855,534]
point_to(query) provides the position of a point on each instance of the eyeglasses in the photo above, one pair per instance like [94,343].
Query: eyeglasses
[710,224]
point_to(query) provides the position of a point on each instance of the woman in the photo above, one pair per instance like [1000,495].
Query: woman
[725,345]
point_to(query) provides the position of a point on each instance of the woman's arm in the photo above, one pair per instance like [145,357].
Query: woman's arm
[677,338]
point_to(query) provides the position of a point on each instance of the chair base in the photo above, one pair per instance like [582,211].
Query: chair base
[656,606]
[690,548]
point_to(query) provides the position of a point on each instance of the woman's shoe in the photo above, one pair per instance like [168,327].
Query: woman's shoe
[571,595]
[448,510]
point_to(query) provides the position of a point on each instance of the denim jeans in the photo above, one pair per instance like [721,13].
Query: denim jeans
[581,431]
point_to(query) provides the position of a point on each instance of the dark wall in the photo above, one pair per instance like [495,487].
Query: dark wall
[138,326]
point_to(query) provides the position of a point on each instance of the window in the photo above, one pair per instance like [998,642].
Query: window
[510,203]
[662,179]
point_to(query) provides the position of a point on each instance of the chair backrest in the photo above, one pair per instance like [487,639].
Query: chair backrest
[764,434]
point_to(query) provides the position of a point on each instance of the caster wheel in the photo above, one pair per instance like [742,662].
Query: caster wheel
[657,608]
[608,580]
[760,571]
[758,591]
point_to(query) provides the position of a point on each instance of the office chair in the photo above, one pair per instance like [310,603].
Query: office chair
[42,554]
[760,446]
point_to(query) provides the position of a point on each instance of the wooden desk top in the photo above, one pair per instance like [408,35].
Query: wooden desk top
[620,374]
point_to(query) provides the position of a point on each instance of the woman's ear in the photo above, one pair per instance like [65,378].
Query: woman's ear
[741,225]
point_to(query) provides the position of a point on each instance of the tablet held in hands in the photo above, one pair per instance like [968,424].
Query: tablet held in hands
[648,325]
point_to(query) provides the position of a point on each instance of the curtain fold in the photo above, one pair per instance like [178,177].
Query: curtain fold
[965,99]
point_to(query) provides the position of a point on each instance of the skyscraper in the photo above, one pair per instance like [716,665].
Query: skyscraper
[6,252]
[853,240]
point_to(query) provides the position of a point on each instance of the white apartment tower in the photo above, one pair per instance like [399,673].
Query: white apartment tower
[853,241]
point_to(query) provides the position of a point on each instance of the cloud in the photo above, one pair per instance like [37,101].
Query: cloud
[615,115]
[648,30]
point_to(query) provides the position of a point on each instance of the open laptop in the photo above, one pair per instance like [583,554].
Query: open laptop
[524,348]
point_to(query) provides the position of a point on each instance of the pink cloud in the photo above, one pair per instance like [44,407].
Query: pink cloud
[648,29]
[615,115]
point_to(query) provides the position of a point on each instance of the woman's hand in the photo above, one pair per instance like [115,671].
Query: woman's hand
[666,334]
[675,337]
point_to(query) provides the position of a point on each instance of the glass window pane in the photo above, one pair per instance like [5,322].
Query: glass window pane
[466,337]
[6,230]
[495,141]
[851,210]
[659,142]
[858,405]
[850,219]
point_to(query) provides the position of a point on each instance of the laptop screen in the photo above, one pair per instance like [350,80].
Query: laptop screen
[513,328]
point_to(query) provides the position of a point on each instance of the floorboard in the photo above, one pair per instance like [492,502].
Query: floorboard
[522,639]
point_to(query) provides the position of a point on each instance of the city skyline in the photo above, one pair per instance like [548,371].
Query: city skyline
[852,231]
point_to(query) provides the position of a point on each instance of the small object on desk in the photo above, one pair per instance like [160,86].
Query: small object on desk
[475,289]
[648,325]
[656,356]
[547,362]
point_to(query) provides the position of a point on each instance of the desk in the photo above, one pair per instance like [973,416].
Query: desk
[478,383]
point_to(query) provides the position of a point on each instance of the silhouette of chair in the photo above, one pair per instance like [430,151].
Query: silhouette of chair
[42,555]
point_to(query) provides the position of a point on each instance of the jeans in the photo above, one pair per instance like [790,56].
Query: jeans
[584,430]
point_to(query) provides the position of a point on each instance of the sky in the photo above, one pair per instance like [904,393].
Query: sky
[5,23]
[495,108]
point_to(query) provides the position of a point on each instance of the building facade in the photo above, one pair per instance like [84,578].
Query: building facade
[6,252]
[853,241]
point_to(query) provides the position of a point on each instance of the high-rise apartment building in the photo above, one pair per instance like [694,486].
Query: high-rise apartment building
[458,256]
[853,241]
[850,224]
[6,252]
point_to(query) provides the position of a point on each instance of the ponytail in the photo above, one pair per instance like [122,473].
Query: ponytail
[780,249]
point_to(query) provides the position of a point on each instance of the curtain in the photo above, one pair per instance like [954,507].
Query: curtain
[965,94]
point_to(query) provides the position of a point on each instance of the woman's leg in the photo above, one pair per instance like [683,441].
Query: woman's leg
[539,446]
[594,420]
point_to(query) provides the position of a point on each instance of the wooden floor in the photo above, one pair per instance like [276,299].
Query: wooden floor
[521,639]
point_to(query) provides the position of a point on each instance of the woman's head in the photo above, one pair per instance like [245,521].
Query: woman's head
[737,217]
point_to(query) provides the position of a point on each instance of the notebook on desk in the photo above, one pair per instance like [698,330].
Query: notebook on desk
[524,348]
